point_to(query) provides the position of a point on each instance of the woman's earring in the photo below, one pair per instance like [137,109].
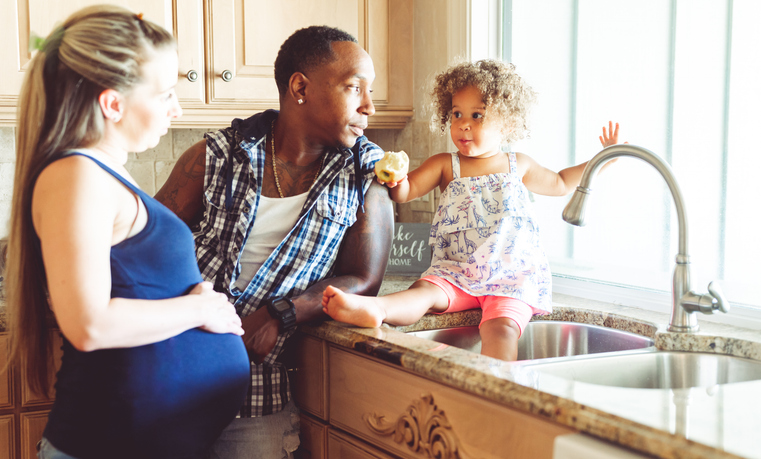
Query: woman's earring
[117,118]
[301,101]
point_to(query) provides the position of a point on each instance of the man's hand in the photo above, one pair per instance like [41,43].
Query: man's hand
[260,334]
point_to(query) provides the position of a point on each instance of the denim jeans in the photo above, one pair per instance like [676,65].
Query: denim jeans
[45,450]
[275,436]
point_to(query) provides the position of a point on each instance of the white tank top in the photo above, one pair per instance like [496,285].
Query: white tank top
[275,217]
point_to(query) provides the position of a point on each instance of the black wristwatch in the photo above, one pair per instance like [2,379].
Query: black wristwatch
[283,310]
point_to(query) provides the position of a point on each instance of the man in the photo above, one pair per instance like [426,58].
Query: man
[285,204]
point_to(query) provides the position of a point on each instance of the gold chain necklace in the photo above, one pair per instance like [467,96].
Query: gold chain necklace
[274,163]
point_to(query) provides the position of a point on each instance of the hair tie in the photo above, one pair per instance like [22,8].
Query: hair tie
[36,42]
[47,45]
[139,16]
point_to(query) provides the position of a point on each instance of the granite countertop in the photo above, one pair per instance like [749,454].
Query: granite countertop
[719,421]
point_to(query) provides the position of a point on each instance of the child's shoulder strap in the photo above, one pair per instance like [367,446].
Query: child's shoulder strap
[455,165]
[513,162]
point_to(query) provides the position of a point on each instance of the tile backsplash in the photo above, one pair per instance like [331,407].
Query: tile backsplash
[152,167]
[7,168]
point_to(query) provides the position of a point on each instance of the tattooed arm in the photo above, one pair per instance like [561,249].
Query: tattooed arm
[183,191]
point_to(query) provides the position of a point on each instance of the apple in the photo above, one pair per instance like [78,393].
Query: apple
[393,167]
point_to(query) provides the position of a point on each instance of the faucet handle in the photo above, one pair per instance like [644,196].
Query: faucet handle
[707,303]
[721,303]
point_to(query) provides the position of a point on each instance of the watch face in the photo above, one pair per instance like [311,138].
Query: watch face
[281,306]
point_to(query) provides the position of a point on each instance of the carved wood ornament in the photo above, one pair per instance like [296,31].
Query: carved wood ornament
[423,427]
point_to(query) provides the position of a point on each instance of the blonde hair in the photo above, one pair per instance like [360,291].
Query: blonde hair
[506,95]
[97,48]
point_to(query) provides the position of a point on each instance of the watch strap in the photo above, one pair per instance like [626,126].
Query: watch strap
[286,318]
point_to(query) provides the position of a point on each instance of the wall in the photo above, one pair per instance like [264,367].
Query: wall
[150,168]
[7,164]
[430,55]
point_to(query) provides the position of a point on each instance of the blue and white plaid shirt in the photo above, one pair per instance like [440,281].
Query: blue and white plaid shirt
[306,255]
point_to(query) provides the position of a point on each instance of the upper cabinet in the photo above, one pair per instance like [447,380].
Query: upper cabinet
[227,50]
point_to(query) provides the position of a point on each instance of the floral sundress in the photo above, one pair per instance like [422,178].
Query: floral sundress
[486,242]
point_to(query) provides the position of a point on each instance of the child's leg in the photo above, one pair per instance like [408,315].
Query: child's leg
[499,338]
[400,308]
[502,323]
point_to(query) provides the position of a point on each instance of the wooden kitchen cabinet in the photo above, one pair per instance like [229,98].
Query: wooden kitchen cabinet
[314,438]
[7,447]
[23,415]
[343,446]
[378,410]
[227,50]
[32,427]
[22,17]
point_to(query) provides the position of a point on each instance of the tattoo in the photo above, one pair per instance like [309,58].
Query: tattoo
[294,179]
[182,192]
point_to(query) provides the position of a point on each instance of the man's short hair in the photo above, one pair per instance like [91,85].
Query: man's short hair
[305,50]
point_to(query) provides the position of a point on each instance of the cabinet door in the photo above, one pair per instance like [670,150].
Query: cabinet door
[7,446]
[402,413]
[245,36]
[28,398]
[187,28]
[32,427]
[343,446]
[314,438]
[310,380]
[21,17]
[6,378]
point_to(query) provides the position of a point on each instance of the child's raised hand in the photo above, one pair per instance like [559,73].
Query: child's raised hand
[610,136]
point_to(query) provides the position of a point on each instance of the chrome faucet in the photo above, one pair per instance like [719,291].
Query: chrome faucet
[685,302]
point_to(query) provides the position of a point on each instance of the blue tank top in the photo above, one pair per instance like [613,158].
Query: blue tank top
[169,399]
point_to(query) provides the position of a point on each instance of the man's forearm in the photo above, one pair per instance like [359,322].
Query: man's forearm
[362,259]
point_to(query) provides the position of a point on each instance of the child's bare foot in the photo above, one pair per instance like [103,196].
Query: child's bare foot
[363,311]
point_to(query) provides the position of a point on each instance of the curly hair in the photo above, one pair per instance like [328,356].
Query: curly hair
[306,49]
[506,95]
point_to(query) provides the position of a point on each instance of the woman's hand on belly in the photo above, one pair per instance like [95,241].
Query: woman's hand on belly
[221,316]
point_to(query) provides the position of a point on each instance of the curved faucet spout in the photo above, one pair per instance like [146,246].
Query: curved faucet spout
[685,303]
[576,205]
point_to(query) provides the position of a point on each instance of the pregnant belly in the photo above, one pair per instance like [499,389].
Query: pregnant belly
[168,399]
[189,386]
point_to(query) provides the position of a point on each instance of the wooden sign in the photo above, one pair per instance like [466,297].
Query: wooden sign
[410,252]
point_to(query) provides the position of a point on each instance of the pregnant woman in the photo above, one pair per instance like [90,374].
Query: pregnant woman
[153,363]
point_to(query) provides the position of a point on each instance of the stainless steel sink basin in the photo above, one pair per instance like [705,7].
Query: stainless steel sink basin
[656,370]
[545,339]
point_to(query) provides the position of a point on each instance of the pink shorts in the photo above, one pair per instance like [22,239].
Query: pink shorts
[492,307]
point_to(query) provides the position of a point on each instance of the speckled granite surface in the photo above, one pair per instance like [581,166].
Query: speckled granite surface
[706,422]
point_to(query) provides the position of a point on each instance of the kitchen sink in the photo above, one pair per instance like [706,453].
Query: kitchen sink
[655,370]
[546,339]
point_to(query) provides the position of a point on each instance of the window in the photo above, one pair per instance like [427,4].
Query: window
[683,79]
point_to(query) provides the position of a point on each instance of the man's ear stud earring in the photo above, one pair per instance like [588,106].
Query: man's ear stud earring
[301,101]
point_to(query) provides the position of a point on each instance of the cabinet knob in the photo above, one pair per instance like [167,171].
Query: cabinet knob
[192,76]
[227,75]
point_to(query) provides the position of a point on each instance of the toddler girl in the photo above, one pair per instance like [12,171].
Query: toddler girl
[486,250]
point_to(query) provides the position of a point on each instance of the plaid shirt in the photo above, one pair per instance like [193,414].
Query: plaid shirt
[234,169]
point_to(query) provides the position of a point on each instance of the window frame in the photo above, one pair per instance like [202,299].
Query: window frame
[467,18]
